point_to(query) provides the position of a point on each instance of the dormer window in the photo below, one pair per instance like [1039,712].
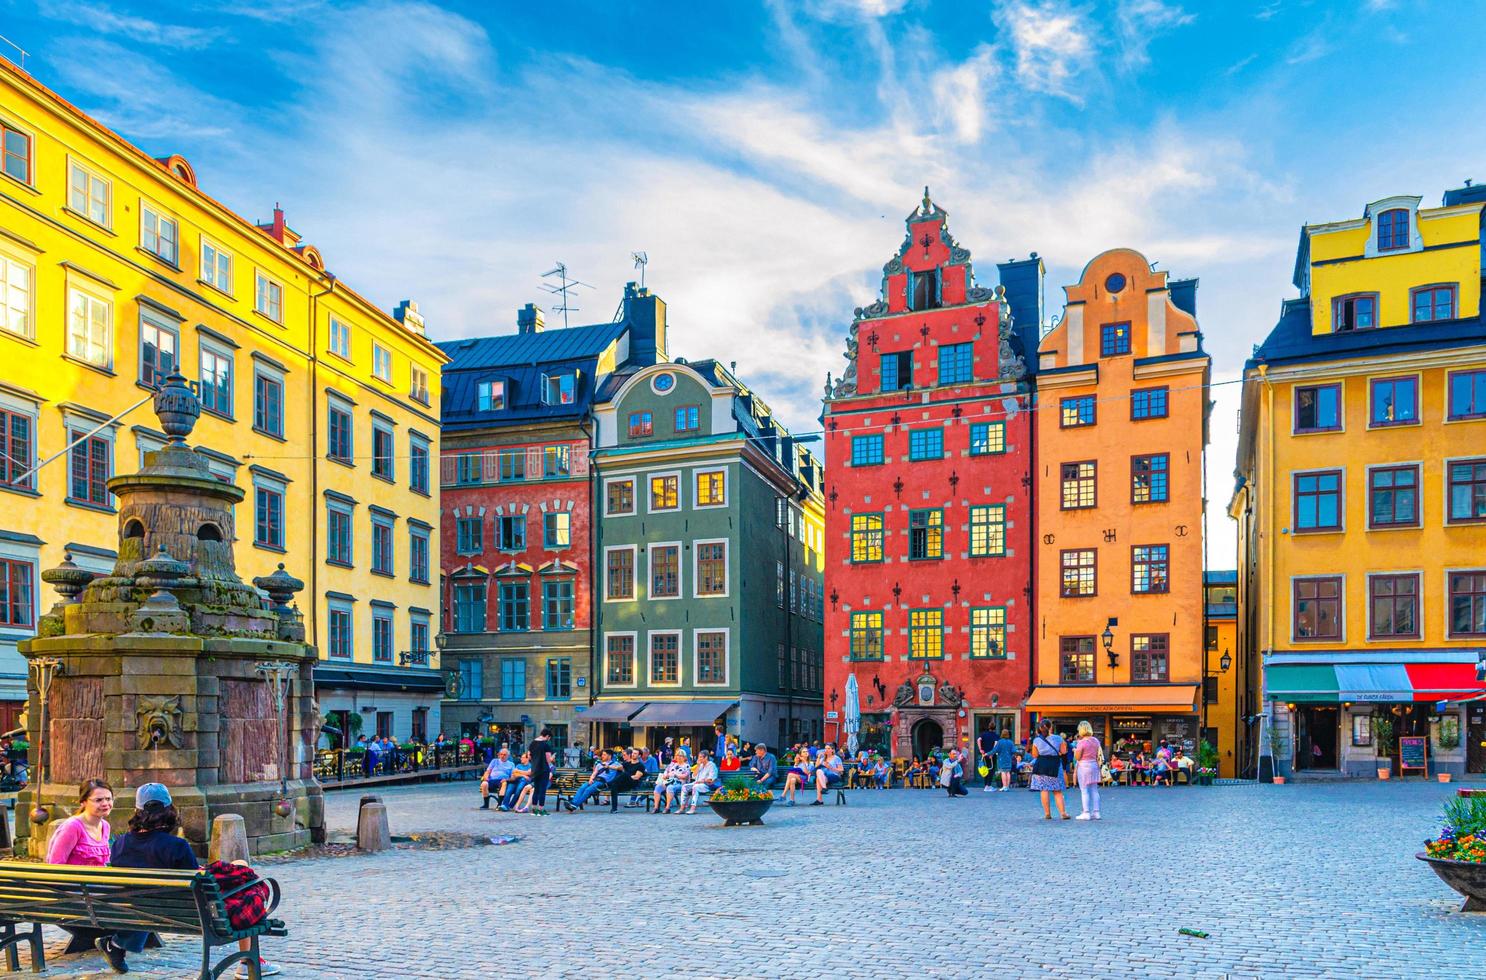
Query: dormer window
[559,389]
[1357,312]
[1393,230]
[925,289]
[492,395]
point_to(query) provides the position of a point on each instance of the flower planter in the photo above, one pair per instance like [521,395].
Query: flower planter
[1466,877]
[1279,780]
[1443,777]
[1385,773]
[741,811]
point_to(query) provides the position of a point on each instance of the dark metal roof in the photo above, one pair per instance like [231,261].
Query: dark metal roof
[1220,576]
[1292,340]
[520,360]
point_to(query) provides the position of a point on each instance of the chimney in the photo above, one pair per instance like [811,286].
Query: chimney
[407,314]
[278,229]
[529,319]
[646,316]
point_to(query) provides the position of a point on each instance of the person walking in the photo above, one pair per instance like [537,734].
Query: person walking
[986,743]
[1048,752]
[1088,758]
[1005,753]
[543,758]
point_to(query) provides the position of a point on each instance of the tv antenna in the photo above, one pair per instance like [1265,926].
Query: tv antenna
[642,260]
[563,289]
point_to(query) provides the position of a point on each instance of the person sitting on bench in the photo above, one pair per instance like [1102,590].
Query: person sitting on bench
[605,771]
[519,779]
[669,786]
[764,767]
[828,770]
[704,780]
[496,775]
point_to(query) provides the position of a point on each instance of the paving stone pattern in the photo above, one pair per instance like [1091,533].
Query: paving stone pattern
[1298,880]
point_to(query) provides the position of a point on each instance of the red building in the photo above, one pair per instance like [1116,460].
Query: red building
[929,517]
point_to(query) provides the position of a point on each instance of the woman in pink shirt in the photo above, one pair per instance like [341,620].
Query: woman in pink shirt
[83,837]
[1086,753]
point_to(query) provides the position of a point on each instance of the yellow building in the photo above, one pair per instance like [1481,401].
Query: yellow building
[115,268]
[1361,495]
[1224,687]
[1121,434]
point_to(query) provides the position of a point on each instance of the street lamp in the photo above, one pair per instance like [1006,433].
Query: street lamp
[1225,661]
[1108,637]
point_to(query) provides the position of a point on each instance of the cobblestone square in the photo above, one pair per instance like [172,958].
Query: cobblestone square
[1297,880]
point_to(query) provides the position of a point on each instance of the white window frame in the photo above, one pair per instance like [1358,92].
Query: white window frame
[696,500]
[262,481]
[148,211]
[333,605]
[381,362]
[632,480]
[161,323]
[216,276]
[9,262]
[32,411]
[90,176]
[634,667]
[74,291]
[696,656]
[549,379]
[260,281]
[416,390]
[680,636]
[650,547]
[696,566]
[223,353]
[634,570]
[344,332]
[262,370]
[680,493]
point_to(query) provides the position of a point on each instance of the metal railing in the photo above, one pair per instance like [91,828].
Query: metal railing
[410,758]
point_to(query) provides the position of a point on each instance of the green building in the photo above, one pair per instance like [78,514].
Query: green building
[709,566]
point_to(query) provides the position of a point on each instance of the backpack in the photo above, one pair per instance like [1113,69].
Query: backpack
[243,892]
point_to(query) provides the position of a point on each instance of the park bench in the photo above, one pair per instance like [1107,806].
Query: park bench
[645,788]
[185,903]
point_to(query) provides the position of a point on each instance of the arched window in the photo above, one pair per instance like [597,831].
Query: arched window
[1393,229]
[209,532]
[134,529]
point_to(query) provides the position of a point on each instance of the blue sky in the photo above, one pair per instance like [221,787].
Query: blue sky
[764,155]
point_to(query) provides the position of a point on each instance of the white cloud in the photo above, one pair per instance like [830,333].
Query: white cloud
[1051,42]
[846,10]
[1138,22]
[105,20]
[962,95]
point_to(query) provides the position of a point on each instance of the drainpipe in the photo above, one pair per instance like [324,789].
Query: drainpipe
[593,557]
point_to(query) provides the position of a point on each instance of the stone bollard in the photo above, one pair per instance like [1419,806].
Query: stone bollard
[229,841]
[371,828]
[370,798]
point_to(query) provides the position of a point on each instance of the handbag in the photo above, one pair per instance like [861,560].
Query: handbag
[1047,763]
[983,769]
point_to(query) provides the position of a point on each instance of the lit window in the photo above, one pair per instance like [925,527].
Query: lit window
[1077,660]
[381,362]
[988,633]
[711,488]
[1079,573]
[987,438]
[1114,339]
[15,297]
[1149,479]
[665,493]
[866,636]
[926,534]
[1150,569]
[619,497]
[988,531]
[216,381]
[926,634]
[1079,485]
[340,338]
[417,384]
[89,328]
[1077,411]
[866,537]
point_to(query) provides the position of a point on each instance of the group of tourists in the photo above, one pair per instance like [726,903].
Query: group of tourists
[151,841]
[520,785]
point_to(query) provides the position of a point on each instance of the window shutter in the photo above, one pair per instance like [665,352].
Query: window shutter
[534,462]
[489,466]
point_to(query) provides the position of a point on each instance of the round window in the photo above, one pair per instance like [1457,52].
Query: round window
[664,382]
[1115,282]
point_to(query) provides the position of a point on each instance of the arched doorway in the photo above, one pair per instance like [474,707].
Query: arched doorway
[927,737]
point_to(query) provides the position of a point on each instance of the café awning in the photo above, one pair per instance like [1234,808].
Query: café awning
[1142,699]
[1378,676]
[702,712]
[610,711]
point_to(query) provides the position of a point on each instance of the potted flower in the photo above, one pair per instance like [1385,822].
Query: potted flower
[739,801]
[1382,739]
[1207,763]
[1458,854]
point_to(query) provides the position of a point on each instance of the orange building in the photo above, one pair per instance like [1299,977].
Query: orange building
[1121,426]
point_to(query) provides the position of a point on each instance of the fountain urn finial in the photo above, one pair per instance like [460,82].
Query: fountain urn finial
[177,407]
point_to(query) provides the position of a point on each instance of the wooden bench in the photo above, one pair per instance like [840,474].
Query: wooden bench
[644,789]
[187,903]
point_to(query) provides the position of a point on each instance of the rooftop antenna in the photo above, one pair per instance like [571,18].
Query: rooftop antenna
[20,50]
[642,260]
[562,289]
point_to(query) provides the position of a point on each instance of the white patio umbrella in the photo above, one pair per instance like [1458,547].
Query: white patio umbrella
[853,710]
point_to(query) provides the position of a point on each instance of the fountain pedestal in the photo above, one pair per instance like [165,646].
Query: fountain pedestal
[154,672]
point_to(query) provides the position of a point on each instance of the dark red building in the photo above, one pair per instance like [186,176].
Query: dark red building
[929,515]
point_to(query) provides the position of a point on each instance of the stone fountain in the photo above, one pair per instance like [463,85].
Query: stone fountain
[171,669]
